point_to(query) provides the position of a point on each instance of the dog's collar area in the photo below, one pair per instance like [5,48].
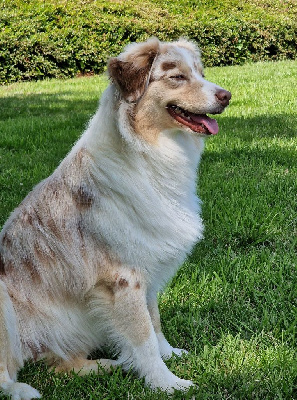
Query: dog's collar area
[199,123]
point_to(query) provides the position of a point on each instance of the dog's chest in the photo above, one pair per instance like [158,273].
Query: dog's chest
[149,216]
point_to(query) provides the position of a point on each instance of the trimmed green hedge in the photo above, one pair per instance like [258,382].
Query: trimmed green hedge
[65,38]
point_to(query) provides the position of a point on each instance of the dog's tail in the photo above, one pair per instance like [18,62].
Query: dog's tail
[11,359]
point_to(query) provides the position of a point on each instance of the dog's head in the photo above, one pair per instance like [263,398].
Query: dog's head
[165,85]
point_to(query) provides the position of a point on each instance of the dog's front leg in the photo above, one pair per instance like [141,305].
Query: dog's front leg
[166,349]
[133,332]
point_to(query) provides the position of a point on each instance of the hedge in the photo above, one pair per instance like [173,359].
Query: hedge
[41,39]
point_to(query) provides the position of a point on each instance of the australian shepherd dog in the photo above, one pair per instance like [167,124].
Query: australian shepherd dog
[84,256]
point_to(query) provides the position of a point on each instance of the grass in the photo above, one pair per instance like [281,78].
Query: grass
[233,304]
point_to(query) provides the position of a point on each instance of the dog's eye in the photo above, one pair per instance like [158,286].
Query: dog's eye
[179,77]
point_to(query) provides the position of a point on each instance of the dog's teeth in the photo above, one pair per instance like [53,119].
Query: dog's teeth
[186,116]
[178,110]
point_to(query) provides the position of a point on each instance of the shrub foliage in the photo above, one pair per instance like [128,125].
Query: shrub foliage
[62,38]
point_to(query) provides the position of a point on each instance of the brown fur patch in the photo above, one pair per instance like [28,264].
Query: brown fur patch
[79,159]
[80,155]
[40,254]
[131,72]
[54,228]
[26,218]
[83,197]
[167,65]
[137,285]
[36,352]
[37,216]
[123,283]
[130,79]
[54,188]
[43,256]
[8,266]
[29,266]
[6,240]
[2,266]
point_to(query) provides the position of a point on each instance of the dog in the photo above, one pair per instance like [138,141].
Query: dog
[85,254]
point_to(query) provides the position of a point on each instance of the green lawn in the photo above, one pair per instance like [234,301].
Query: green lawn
[233,305]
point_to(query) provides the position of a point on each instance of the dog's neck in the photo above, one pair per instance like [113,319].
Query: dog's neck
[172,160]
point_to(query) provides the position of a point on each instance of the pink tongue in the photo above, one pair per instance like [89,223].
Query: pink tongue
[210,123]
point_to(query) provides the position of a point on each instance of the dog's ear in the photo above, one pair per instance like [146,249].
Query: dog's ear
[131,69]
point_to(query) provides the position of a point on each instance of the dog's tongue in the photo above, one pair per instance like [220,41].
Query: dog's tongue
[210,123]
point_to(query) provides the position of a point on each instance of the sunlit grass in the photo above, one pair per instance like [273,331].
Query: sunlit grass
[233,305]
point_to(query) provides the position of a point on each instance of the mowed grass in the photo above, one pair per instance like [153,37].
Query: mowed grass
[233,305]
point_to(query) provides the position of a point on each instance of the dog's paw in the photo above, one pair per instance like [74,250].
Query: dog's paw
[20,391]
[181,384]
[166,350]
[168,382]
[177,352]
[175,384]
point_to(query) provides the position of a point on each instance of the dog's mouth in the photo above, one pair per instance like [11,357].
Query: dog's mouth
[199,123]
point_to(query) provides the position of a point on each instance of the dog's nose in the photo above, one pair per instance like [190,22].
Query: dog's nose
[223,97]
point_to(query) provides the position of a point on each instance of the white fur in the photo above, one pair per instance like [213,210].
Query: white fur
[19,391]
[85,254]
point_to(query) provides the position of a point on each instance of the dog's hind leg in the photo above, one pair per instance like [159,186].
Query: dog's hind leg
[10,352]
[82,366]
